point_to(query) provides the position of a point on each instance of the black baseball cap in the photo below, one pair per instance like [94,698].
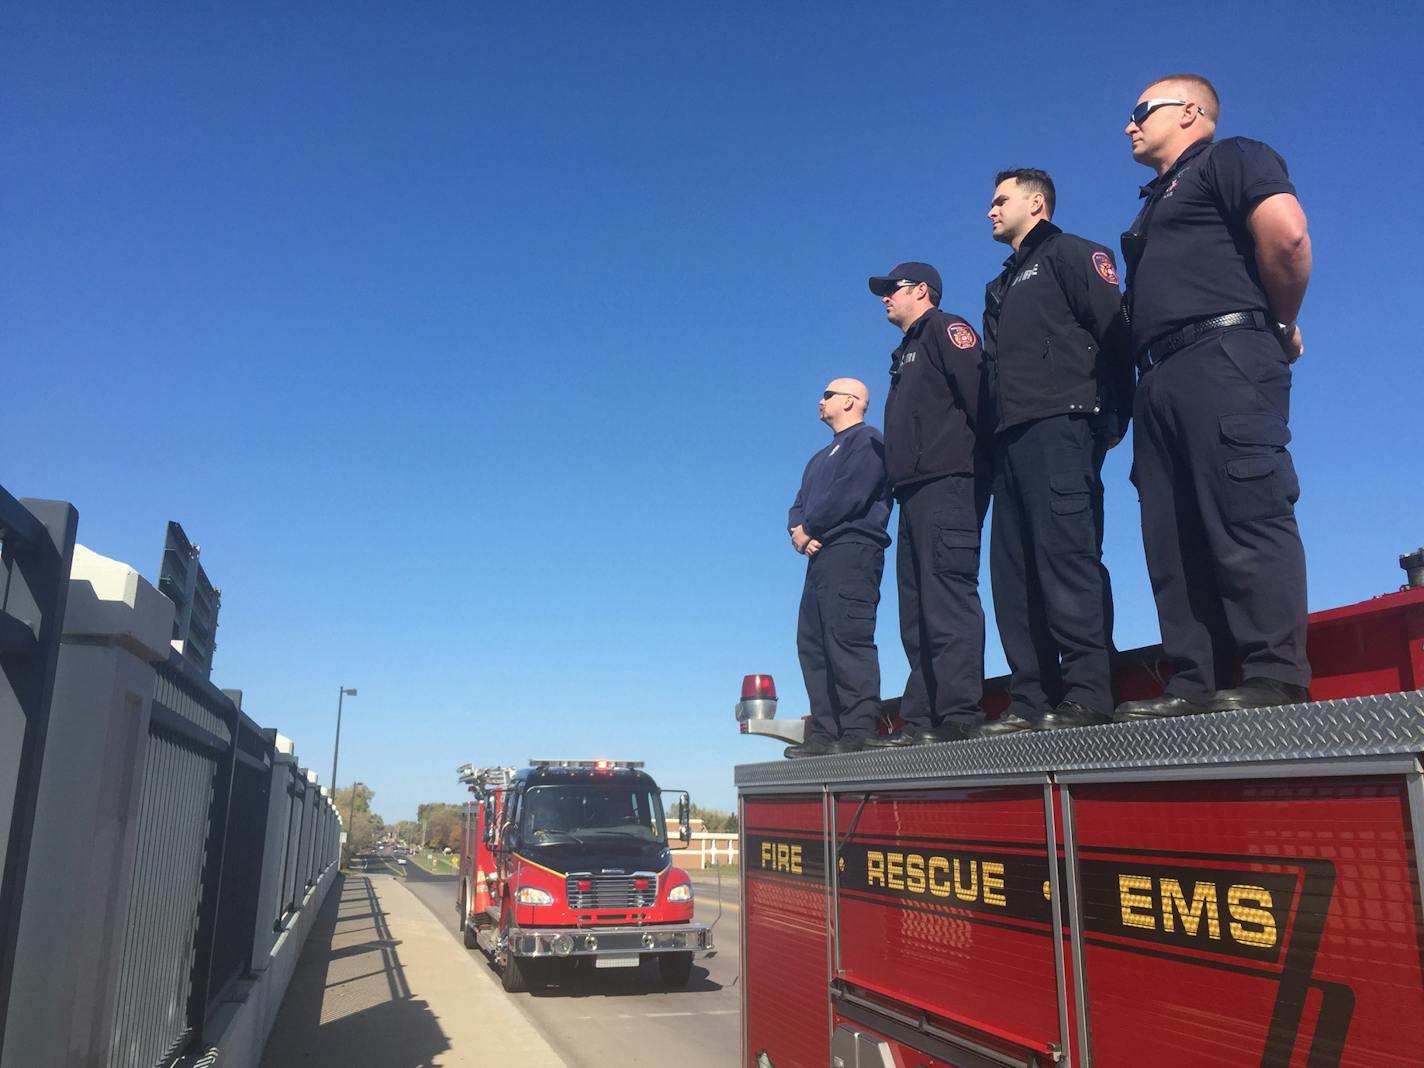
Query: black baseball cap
[906,272]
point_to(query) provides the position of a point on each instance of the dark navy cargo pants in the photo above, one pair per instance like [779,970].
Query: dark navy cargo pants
[835,639]
[1052,595]
[1218,492]
[941,619]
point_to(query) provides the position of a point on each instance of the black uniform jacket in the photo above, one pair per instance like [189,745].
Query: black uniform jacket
[1054,334]
[937,411]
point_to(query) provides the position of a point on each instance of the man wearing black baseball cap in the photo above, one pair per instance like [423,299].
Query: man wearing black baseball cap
[936,440]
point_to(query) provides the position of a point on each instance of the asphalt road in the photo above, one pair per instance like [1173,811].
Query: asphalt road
[599,1017]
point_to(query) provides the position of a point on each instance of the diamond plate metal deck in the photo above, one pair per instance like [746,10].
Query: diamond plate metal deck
[1351,729]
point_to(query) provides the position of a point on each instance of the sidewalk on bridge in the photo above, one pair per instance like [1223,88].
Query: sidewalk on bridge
[381,983]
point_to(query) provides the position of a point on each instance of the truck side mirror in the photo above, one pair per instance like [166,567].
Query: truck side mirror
[509,836]
[684,813]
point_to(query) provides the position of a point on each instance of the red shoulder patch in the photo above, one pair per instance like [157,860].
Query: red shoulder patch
[1107,270]
[962,335]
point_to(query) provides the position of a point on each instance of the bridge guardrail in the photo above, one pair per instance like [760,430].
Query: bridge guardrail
[174,851]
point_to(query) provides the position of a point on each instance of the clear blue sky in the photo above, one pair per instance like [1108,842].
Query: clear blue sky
[479,345]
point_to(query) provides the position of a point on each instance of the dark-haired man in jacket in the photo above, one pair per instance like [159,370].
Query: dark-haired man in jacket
[1062,383]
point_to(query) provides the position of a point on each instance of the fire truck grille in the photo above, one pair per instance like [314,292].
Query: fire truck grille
[612,891]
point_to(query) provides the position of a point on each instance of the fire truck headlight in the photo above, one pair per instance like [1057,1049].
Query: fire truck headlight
[562,945]
[681,892]
[532,895]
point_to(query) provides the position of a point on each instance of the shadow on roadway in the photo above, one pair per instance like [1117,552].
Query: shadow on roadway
[348,1002]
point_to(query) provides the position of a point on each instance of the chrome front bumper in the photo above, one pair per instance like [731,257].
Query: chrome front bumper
[610,941]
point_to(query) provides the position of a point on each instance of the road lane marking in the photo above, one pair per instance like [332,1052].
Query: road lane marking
[656,1015]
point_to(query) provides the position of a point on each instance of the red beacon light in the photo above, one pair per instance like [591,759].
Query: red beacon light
[758,700]
[756,711]
[758,687]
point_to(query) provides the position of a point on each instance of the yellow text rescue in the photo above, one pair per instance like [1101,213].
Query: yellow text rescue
[950,878]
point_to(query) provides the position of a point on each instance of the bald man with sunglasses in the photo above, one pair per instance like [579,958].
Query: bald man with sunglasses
[1218,260]
[838,522]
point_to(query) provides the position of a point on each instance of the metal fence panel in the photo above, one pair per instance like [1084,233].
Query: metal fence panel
[296,793]
[36,552]
[242,862]
[164,982]
[160,948]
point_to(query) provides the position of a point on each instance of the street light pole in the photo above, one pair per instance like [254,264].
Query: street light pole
[336,749]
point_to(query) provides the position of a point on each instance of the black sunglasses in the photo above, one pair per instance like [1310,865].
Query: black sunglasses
[1147,107]
[835,393]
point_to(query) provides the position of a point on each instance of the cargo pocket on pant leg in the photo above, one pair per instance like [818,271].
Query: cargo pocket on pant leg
[1259,480]
[1072,492]
[1070,500]
[856,618]
[956,551]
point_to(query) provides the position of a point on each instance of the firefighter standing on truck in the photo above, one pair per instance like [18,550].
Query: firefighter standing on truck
[1218,260]
[1062,385]
[838,521]
[935,458]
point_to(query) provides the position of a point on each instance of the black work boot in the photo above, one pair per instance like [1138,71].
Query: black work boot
[1257,693]
[1164,707]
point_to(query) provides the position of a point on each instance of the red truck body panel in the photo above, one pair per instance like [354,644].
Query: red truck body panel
[784,953]
[1239,890]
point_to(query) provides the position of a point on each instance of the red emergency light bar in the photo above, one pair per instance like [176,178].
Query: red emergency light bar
[758,686]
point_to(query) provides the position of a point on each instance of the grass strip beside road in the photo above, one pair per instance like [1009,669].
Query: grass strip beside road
[709,873]
[434,863]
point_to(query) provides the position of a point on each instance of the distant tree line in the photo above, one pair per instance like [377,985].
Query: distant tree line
[362,826]
[715,819]
[442,824]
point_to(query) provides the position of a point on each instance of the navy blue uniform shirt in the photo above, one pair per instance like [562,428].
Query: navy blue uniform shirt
[843,495]
[937,413]
[1189,254]
[1054,335]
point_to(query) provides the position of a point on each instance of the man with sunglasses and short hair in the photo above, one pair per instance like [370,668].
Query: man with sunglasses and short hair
[1056,347]
[838,522]
[1218,260]
[936,461]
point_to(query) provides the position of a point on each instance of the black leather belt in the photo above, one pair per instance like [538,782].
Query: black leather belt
[1164,346]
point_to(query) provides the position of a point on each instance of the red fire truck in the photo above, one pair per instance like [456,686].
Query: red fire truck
[1237,889]
[567,861]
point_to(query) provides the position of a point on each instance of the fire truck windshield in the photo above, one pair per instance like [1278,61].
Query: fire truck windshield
[554,814]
